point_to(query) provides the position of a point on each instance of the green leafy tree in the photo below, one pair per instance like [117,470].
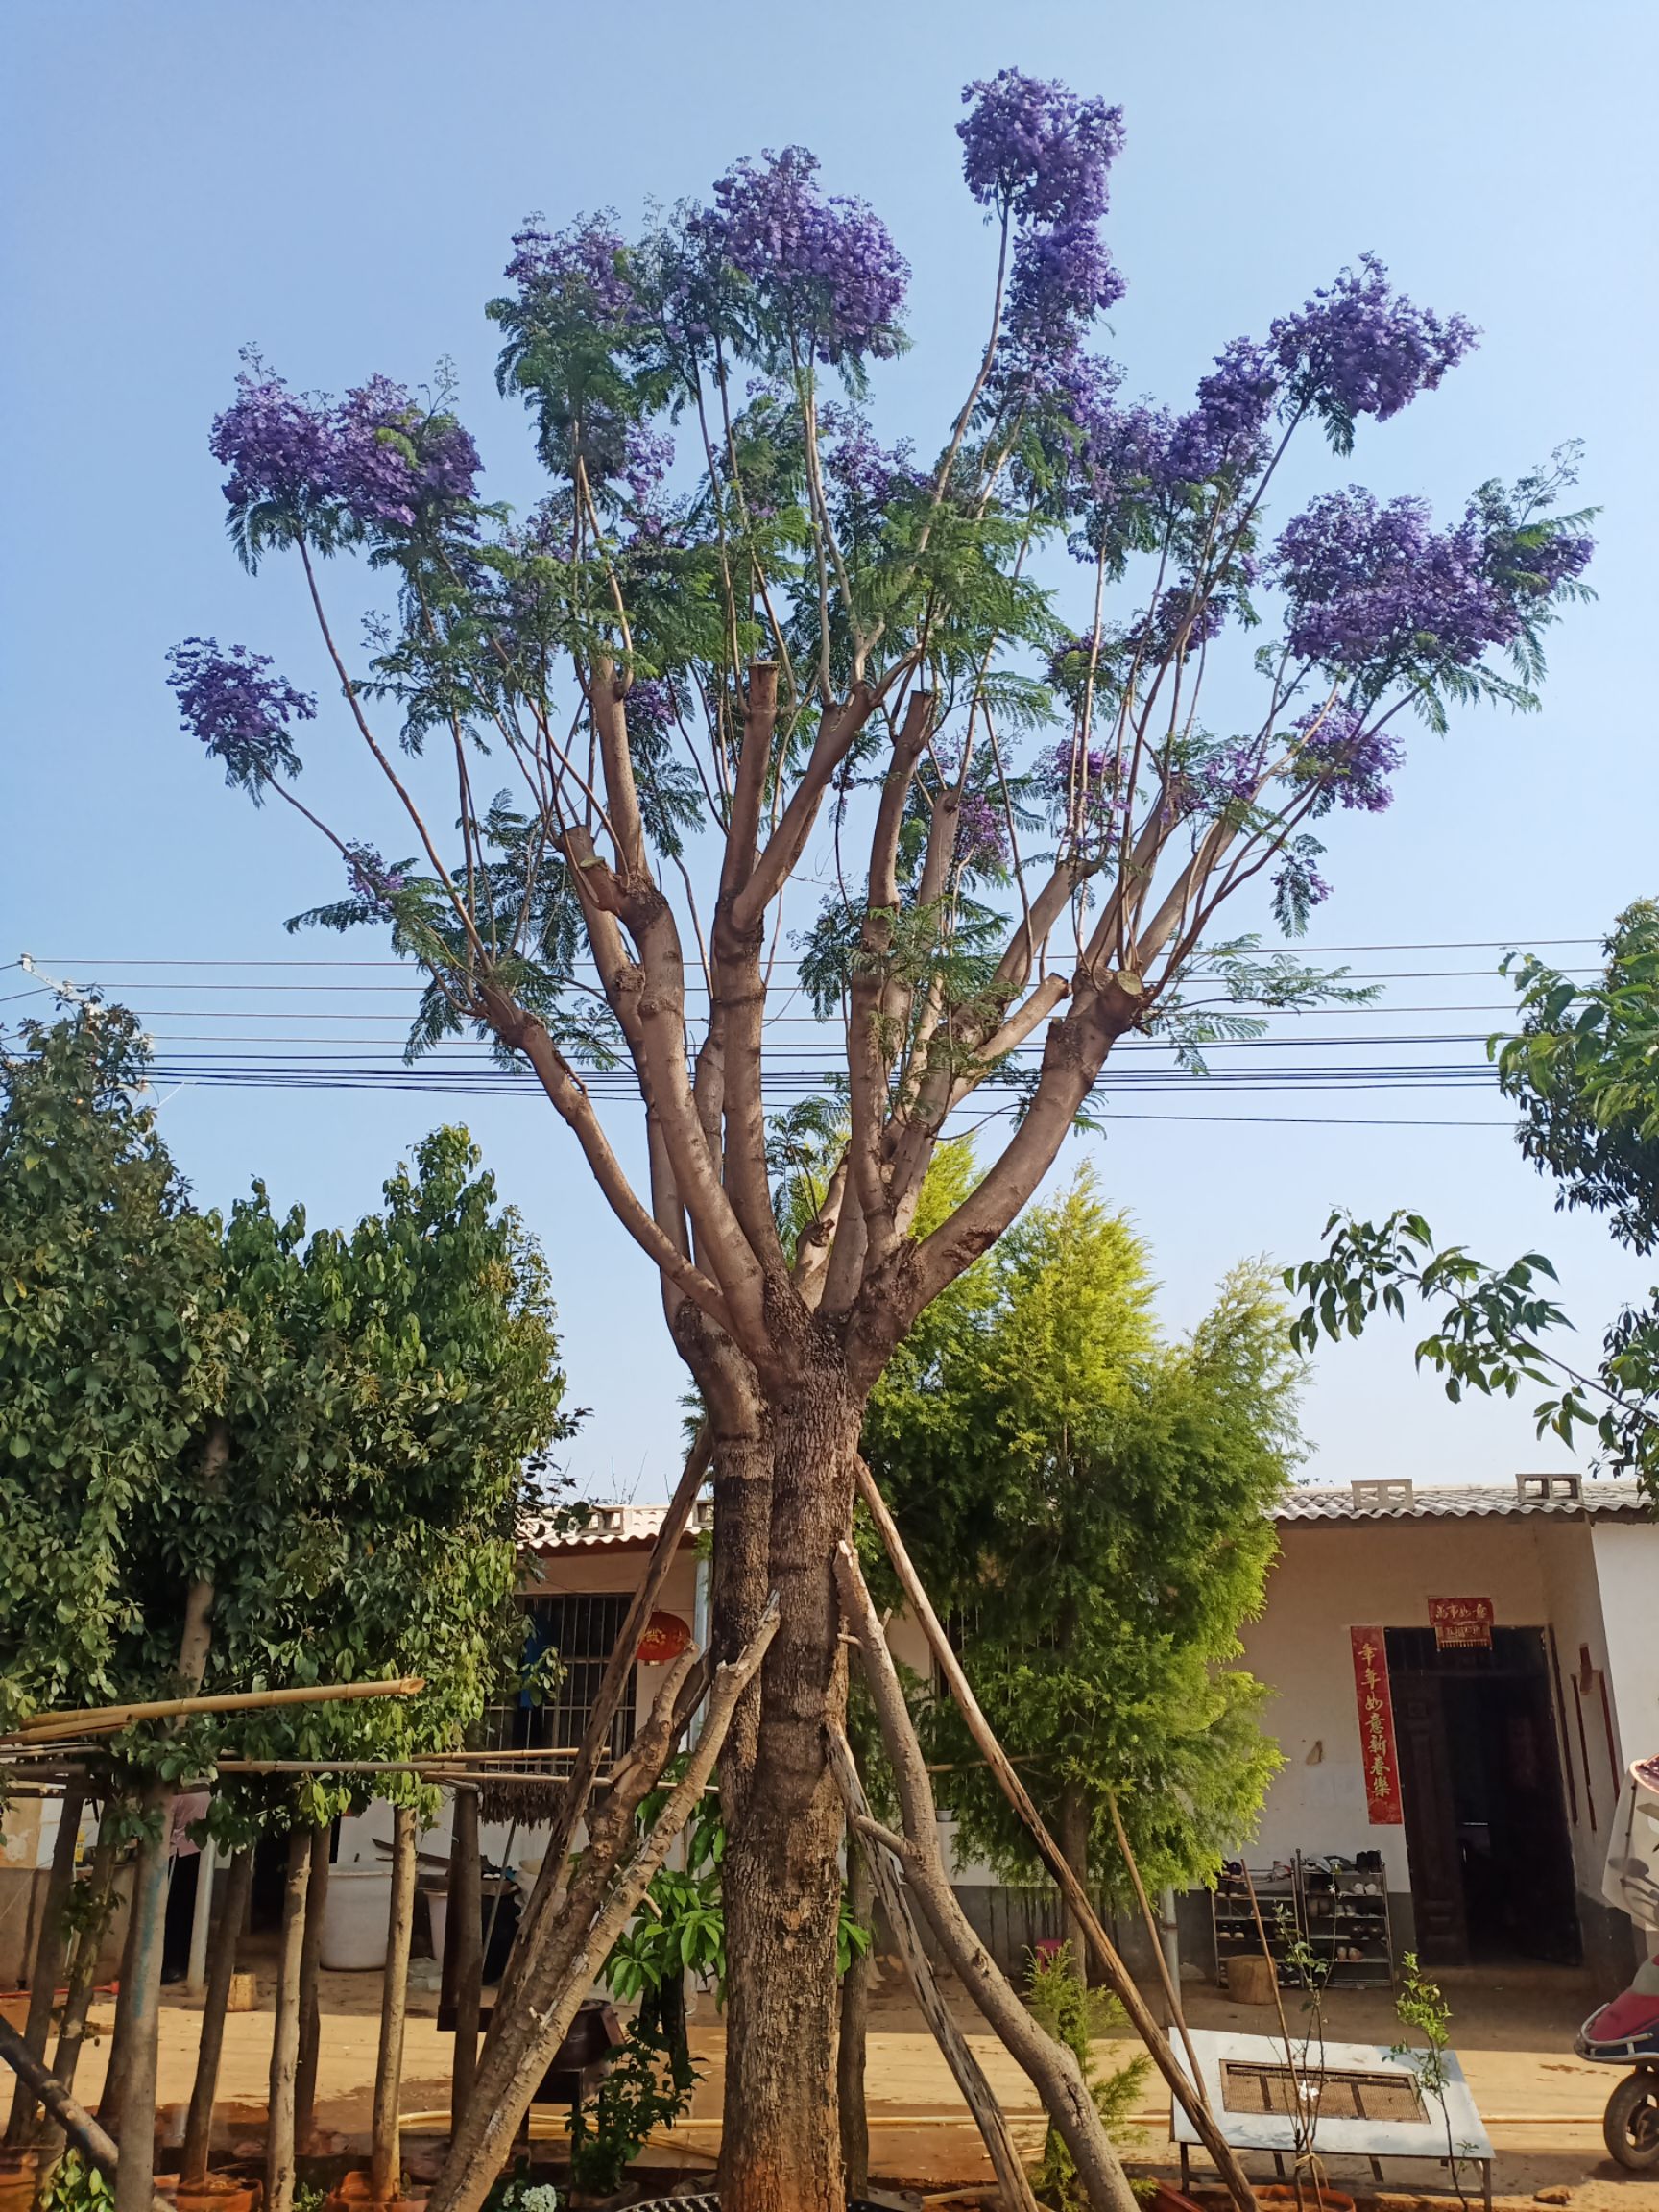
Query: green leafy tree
[1581,1068]
[114,1349]
[1094,1504]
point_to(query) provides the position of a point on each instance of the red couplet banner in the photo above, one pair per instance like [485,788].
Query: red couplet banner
[1381,1760]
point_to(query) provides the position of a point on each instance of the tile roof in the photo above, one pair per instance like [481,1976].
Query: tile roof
[610,1528]
[1561,1498]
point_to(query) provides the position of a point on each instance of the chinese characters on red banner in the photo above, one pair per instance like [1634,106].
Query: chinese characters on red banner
[1461,1624]
[1377,1728]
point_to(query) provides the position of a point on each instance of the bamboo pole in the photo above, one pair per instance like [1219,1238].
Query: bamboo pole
[1188,2094]
[386,2152]
[100,1719]
[215,2003]
[78,2124]
[977,2094]
[48,1960]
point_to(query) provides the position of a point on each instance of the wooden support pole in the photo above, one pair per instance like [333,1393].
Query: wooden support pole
[48,1961]
[1006,2162]
[83,1972]
[1188,2094]
[105,1720]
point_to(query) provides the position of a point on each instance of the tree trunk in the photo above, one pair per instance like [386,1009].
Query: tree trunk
[84,1973]
[120,2039]
[781,1877]
[215,2003]
[386,2155]
[1072,1834]
[464,1943]
[285,2029]
[854,2027]
[310,2009]
[49,1949]
[135,2182]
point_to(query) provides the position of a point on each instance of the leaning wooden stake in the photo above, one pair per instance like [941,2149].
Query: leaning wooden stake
[598,1900]
[78,2124]
[310,2008]
[1005,2160]
[1188,2093]
[49,1949]
[386,2155]
[1053,2071]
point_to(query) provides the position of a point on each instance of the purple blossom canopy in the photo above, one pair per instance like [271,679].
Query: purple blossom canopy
[1372,584]
[981,832]
[1063,277]
[1349,763]
[239,709]
[1037,151]
[583,265]
[375,460]
[825,269]
[1360,348]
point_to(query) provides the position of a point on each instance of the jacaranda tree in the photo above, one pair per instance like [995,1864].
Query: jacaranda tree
[746,670]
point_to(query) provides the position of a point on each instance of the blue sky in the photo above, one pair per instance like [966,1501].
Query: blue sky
[337,183]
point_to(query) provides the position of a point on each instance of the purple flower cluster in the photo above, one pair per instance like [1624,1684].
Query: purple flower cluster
[859,467]
[375,460]
[1063,277]
[648,457]
[1080,786]
[583,265]
[981,832]
[1372,584]
[649,710]
[1349,763]
[825,269]
[1036,151]
[1039,155]
[1225,777]
[372,880]
[1177,621]
[1225,431]
[1359,347]
[239,709]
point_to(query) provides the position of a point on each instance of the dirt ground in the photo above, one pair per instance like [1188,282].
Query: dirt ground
[1513,2032]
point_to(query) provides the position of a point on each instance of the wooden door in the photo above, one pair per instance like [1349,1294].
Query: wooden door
[1431,1820]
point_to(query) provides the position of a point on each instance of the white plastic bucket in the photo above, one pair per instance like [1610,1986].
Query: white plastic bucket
[354,1932]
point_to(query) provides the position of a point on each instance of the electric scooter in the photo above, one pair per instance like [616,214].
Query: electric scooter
[1627,2034]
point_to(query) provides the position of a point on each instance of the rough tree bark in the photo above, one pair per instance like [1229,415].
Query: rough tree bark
[781,1880]
[1051,2067]
[215,2003]
[386,2155]
[850,2043]
[285,2029]
[310,2009]
[49,1949]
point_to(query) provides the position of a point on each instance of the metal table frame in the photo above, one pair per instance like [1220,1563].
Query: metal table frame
[1337,2137]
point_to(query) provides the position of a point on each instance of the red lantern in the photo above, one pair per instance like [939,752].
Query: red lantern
[665,1637]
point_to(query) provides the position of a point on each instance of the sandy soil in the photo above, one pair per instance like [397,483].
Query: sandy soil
[1513,2032]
